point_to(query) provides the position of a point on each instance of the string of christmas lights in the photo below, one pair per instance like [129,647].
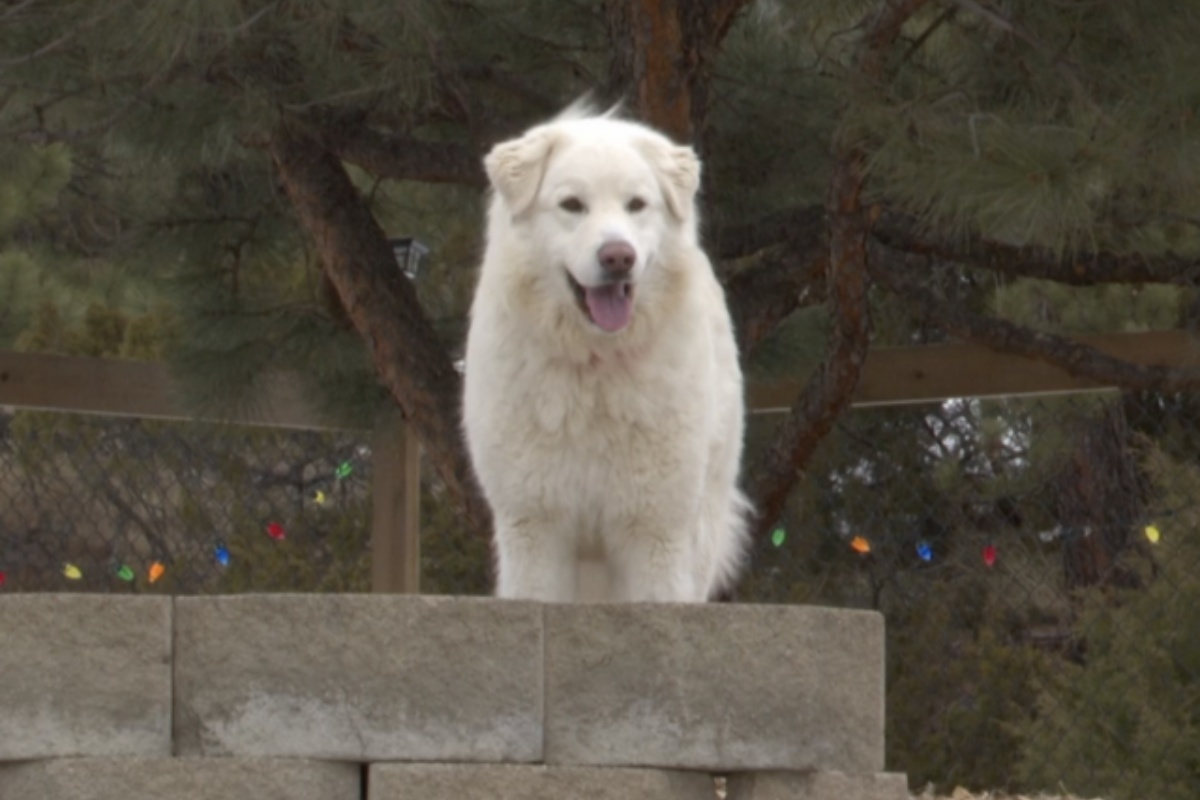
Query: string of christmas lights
[220,551]
[858,543]
[989,554]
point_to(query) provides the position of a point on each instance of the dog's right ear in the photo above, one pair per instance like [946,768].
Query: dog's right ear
[515,167]
[678,171]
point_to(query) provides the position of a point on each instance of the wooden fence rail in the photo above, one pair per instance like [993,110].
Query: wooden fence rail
[890,376]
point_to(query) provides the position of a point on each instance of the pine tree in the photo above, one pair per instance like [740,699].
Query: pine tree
[952,169]
[979,132]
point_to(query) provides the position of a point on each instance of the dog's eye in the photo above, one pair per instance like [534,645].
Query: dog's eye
[572,205]
[635,205]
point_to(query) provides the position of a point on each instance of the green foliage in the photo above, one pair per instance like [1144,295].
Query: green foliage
[1031,139]
[1094,309]
[33,178]
[18,284]
[958,688]
[1126,722]
[102,332]
[793,349]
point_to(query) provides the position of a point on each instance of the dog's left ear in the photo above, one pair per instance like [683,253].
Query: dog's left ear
[515,167]
[678,171]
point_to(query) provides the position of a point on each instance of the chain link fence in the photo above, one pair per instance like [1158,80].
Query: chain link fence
[1036,559]
[113,504]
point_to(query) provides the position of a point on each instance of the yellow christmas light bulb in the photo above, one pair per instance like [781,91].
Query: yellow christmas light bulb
[1152,534]
[72,572]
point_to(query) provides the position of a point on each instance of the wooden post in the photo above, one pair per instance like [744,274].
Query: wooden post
[396,512]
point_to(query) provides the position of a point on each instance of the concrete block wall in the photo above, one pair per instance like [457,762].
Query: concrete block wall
[398,697]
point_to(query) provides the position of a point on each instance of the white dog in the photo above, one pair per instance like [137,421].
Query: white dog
[603,406]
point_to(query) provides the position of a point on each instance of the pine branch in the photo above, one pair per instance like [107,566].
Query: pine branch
[762,297]
[798,227]
[63,41]
[381,302]
[403,158]
[173,68]
[902,232]
[892,270]
[764,294]
[828,392]
[1008,25]
[17,9]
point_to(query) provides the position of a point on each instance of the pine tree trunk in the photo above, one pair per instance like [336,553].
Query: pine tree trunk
[662,56]
[382,304]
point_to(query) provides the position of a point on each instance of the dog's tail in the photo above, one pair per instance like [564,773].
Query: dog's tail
[727,543]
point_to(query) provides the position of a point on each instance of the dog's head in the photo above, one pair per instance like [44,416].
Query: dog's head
[599,200]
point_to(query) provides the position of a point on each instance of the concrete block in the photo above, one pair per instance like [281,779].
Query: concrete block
[84,675]
[718,687]
[180,779]
[816,786]
[359,677]
[525,782]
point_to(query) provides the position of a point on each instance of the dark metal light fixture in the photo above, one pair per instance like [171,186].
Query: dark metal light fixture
[408,252]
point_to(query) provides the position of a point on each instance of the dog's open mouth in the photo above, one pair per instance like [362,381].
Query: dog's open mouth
[608,306]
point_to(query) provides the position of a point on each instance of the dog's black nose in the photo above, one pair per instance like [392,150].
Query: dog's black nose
[617,257]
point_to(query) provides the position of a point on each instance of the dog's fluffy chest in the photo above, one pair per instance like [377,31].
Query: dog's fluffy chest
[573,402]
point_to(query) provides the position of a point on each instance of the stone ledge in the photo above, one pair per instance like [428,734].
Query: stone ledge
[179,779]
[528,782]
[359,677]
[84,675]
[365,678]
[714,687]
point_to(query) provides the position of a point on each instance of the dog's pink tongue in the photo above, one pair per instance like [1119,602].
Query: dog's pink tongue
[609,305]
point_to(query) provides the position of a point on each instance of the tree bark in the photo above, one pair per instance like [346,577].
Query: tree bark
[382,304]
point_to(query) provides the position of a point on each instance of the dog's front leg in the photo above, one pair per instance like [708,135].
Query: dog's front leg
[654,563]
[535,561]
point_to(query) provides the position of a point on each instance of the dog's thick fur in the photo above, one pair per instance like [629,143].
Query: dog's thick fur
[603,406]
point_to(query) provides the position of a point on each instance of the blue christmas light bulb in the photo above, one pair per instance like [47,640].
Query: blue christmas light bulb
[924,551]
